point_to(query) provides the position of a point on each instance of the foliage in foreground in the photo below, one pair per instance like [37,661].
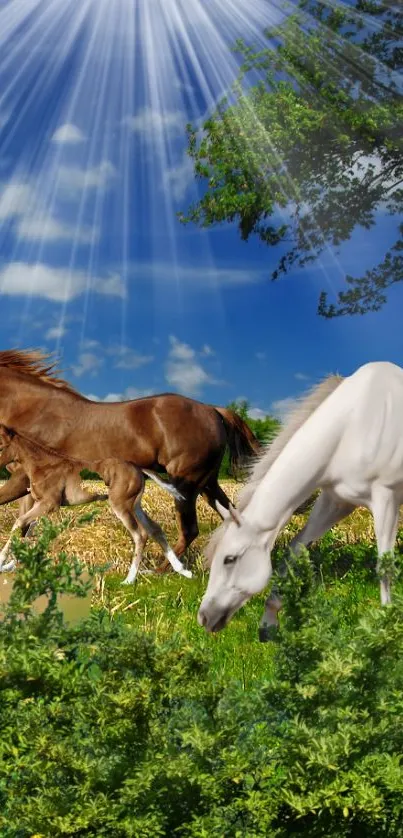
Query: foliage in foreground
[105,732]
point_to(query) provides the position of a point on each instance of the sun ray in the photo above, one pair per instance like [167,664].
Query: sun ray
[122,78]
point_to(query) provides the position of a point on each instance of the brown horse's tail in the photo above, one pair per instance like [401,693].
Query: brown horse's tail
[241,442]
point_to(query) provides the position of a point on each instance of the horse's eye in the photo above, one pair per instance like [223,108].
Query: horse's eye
[230,559]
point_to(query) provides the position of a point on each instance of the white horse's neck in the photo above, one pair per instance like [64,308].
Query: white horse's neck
[299,468]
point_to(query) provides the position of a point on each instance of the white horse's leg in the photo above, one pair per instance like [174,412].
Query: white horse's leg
[154,531]
[385,509]
[326,512]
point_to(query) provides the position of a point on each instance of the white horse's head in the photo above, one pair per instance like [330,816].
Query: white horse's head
[240,568]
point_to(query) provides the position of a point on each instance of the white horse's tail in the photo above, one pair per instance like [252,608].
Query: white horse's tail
[163,484]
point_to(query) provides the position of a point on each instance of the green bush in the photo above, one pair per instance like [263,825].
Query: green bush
[105,732]
[333,557]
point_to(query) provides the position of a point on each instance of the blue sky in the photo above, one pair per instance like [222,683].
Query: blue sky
[93,262]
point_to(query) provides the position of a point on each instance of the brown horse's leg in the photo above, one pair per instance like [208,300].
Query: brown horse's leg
[24,505]
[187,521]
[14,488]
[213,492]
[77,496]
[23,522]
[123,510]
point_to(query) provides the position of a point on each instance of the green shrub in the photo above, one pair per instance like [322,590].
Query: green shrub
[105,732]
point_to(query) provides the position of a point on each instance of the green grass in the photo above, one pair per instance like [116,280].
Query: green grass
[166,606]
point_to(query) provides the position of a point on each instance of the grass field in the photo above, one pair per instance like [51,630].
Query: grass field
[168,604]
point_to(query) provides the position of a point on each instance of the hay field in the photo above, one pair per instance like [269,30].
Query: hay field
[105,540]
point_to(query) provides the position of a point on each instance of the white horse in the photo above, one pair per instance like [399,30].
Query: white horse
[345,438]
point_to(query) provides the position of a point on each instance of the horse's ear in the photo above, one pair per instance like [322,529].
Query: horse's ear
[225,514]
[231,513]
[236,517]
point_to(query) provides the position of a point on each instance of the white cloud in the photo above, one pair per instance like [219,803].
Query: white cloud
[44,228]
[87,362]
[300,376]
[129,359]
[282,407]
[15,200]
[18,279]
[55,333]
[150,121]
[199,274]
[183,371]
[73,179]
[68,134]
[90,344]
[207,351]
[129,394]
[136,393]
[113,286]
[179,178]
[181,351]
[19,201]
[370,166]
[257,413]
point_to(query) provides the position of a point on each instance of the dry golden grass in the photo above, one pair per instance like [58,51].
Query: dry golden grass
[105,540]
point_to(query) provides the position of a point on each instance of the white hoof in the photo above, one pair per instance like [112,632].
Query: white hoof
[3,561]
[9,566]
[177,565]
[129,580]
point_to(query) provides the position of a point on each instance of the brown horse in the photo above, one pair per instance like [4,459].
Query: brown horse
[165,433]
[53,482]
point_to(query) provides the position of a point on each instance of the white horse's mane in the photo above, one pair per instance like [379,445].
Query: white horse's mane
[306,405]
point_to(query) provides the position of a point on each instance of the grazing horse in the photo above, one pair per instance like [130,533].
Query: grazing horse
[344,438]
[165,433]
[53,481]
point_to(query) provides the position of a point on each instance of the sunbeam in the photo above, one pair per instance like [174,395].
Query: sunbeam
[128,76]
[89,198]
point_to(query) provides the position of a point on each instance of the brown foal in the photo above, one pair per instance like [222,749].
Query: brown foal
[54,482]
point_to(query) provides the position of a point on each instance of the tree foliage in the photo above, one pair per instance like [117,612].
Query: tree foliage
[313,148]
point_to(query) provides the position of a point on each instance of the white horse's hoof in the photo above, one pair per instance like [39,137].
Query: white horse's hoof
[187,573]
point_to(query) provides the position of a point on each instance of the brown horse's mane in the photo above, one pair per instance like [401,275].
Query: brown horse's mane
[35,363]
